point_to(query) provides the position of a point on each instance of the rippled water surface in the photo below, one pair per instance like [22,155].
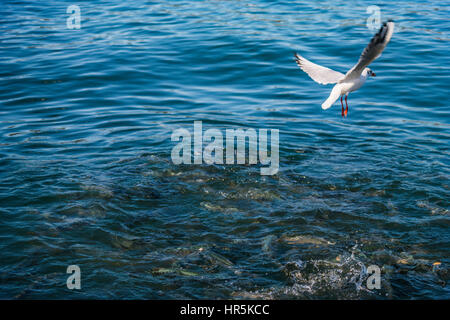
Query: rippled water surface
[86,118]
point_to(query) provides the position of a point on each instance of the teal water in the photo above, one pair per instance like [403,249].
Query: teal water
[86,118]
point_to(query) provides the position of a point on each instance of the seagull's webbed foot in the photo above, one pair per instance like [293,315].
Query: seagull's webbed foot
[346,107]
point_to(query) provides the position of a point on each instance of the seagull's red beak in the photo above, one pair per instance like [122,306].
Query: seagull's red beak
[373,74]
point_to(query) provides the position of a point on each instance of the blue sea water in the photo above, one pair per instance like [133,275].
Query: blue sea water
[86,117]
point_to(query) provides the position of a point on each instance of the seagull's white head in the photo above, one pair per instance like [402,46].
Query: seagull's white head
[368,72]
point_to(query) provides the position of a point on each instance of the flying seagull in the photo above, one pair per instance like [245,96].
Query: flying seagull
[356,76]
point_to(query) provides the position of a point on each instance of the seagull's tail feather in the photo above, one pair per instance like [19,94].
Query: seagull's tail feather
[334,95]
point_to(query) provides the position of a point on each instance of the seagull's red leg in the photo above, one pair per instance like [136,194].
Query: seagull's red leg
[342,104]
[346,106]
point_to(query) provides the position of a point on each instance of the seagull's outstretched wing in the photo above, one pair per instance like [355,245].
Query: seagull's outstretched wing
[318,73]
[373,50]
